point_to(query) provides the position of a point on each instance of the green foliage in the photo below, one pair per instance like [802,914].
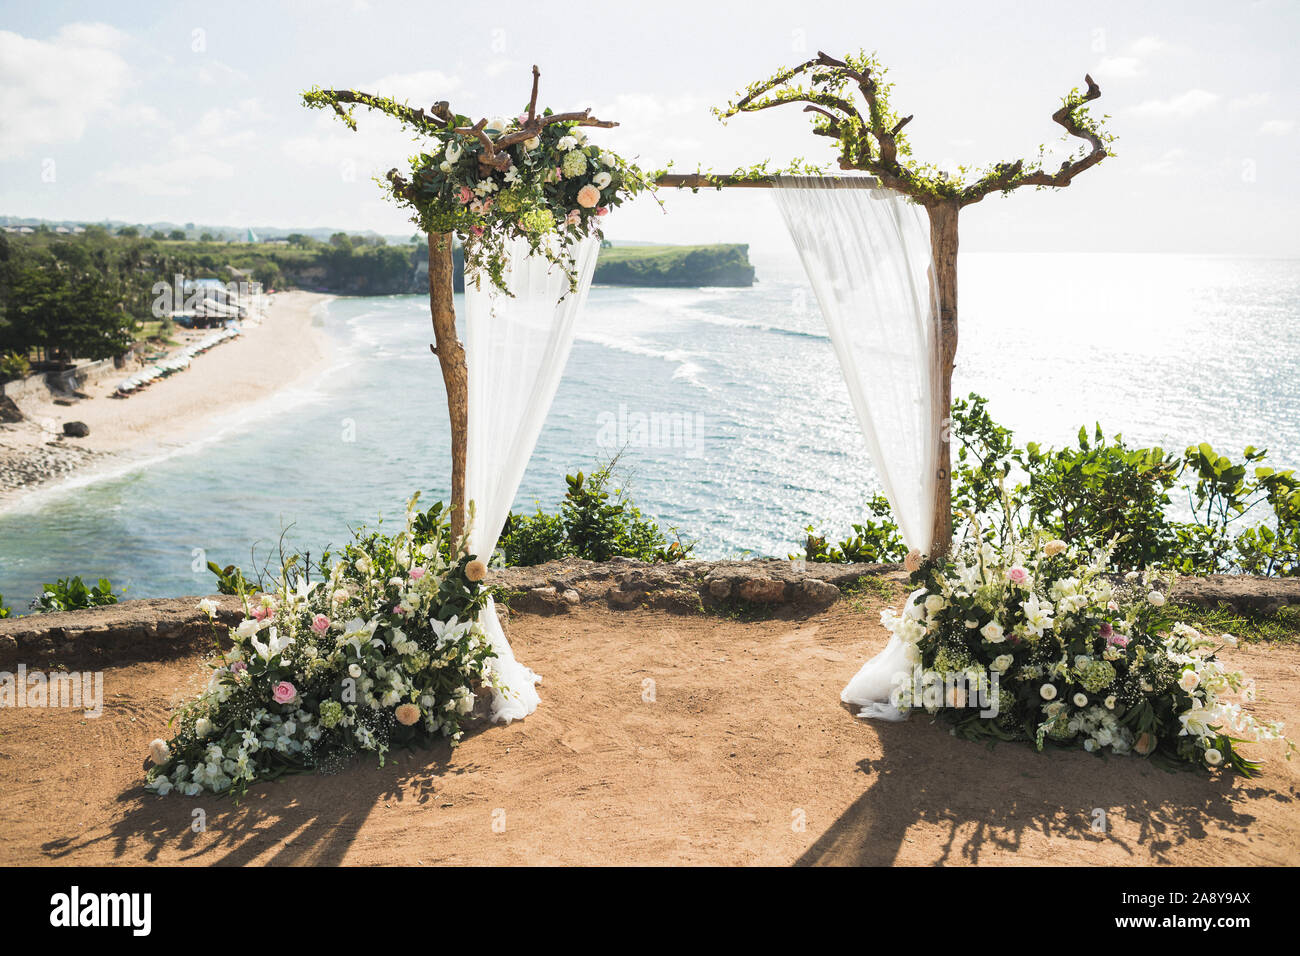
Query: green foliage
[1245,515]
[230,579]
[5,609]
[875,541]
[718,265]
[72,594]
[597,521]
[13,365]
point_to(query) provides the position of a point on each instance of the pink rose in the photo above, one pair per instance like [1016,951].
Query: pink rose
[574,217]
[521,119]
[1119,640]
[465,195]
[1106,631]
[602,211]
[285,693]
[588,196]
[238,666]
[476,230]
[398,609]
[1018,575]
[417,572]
[320,624]
[261,611]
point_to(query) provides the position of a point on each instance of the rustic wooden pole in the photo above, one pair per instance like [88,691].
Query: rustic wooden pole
[451,356]
[943,251]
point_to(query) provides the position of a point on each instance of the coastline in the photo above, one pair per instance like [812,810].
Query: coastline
[281,352]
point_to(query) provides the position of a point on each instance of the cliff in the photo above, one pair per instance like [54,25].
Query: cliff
[661,266]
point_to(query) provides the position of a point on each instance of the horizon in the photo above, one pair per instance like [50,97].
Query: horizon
[158,113]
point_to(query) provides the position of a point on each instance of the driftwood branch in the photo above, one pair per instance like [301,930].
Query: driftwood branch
[1008,176]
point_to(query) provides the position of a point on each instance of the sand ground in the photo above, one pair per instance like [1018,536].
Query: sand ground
[743,756]
[283,350]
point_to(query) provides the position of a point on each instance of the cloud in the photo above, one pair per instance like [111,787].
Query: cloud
[1277,127]
[1178,107]
[1145,46]
[175,177]
[51,89]
[421,88]
[1119,68]
[1248,102]
[1166,165]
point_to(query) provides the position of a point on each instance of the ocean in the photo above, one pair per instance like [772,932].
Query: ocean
[727,406]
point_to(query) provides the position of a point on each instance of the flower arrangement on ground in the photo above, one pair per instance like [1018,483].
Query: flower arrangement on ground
[383,650]
[1075,654]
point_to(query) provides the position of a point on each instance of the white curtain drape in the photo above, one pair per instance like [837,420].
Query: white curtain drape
[515,352]
[867,255]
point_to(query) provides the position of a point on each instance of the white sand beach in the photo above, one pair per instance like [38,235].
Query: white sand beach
[284,350]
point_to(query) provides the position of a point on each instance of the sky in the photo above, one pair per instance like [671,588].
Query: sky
[190,112]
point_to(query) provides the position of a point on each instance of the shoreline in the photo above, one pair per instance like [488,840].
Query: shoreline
[196,405]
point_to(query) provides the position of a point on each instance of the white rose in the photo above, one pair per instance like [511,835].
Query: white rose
[566,143]
[453,151]
[992,632]
[602,180]
[1156,598]
[1054,547]
[532,143]
[1002,662]
[1110,702]
[971,625]
[445,166]
[1189,681]
[1047,692]
[203,726]
[159,751]
[935,603]
[1213,757]
[354,670]
[1080,700]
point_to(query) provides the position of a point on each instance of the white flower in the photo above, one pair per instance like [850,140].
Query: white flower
[1054,547]
[512,175]
[445,166]
[1038,615]
[1228,639]
[208,607]
[1080,700]
[566,143]
[1213,757]
[159,751]
[1002,662]
[602,180]
[935,603]
[162,786]
[606,158]
[532,143]
[1047,692]
[971,625]
[1189,681]
[1090,745]
[453,151]
[496,126]
[992,632]
[203,726]
[1156,598]
[1110,702]
[354,670]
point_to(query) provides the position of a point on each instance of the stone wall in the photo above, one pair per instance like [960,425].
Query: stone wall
[158,628]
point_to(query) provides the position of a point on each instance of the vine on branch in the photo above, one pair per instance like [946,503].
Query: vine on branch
[850,103]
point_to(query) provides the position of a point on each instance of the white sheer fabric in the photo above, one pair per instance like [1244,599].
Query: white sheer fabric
[867,255]
[515,352]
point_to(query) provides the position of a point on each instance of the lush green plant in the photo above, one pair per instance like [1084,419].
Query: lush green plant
[13,365]
[72,594]
[230,579]
[597,520]
[876,541]
[5,609]
[1102,491]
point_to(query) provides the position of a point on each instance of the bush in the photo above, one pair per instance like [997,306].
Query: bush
[72,594]
[13,365]
[596,521]
[1103,491]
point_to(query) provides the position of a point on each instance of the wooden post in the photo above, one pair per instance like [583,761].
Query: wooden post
[451,356]
[943,249]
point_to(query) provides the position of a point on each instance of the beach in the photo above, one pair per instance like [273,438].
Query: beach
[283,350]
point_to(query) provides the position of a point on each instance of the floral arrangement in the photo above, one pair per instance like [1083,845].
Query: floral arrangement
[534,177]
[384,650]
[1064,651]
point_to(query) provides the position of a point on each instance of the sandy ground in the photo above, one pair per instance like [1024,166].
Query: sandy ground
[744,756]
[281,351]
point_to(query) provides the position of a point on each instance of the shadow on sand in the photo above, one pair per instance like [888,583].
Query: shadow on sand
[988,801]
[304,820]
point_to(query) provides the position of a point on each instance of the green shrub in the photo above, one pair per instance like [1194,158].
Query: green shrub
[72,594]
[13,365]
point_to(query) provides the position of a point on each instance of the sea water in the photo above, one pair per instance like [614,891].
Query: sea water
[726,406]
